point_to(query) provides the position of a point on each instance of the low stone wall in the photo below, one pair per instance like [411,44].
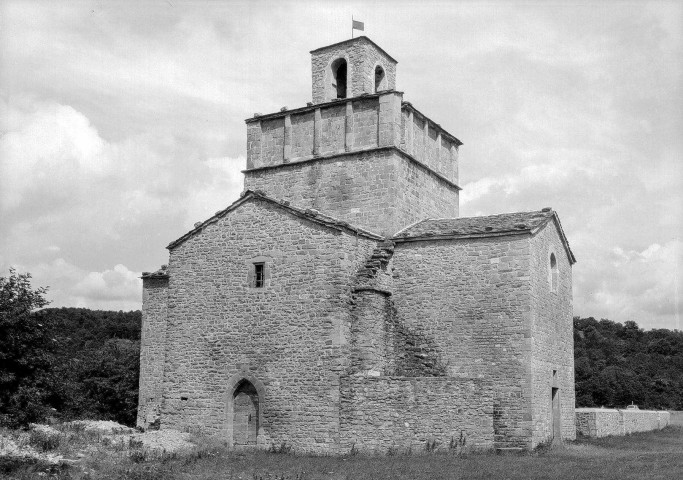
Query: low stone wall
[379,414]
[600,422]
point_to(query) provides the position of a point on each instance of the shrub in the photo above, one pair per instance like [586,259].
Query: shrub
[283,448]
[431,445]
[43,441]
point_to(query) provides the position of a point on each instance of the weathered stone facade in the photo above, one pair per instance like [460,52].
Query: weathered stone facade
[341,303]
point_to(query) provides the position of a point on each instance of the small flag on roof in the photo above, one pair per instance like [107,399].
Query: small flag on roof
[356,25]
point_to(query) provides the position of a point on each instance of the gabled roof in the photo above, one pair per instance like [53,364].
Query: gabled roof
[355,40]
[518,223]
[308,214]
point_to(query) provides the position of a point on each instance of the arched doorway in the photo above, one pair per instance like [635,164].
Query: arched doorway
[245,420]
[245,403]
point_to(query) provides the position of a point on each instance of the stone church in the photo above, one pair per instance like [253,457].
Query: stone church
[340,303]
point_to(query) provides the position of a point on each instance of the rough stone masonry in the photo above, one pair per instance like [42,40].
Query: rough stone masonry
[340,303]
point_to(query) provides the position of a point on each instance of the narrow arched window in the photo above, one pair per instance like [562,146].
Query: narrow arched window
[379,78]
[553,273]
[339,74]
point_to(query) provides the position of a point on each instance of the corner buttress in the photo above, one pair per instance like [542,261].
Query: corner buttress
[152,347]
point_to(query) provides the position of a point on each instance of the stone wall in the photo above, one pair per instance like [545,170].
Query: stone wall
[601,422]
[470,300]
[552,333]
[272,141]
[371,340]
[302,134]
[365,121]
[404,413]
[152,349]
[345,126]
[379,190]
[428,143]
[362,57]
[292,335]
[336,127]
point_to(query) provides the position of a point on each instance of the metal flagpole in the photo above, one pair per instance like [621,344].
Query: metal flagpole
[352,25]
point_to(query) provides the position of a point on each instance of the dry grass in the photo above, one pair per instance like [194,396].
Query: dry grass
[652,455]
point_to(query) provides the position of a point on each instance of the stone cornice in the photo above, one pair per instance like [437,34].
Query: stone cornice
[337,155]
[312,107]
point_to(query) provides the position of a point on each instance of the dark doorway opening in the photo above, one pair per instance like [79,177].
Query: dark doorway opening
[557,427]
[245,414]
[379,78]
[339,70]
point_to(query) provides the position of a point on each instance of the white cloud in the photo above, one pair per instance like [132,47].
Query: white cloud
[49,150]
[120,128]
[222,182]
[643,286]
[114,285]
[68,285]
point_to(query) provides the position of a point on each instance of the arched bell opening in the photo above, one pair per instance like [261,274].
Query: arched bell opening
[380,83]
[339,75]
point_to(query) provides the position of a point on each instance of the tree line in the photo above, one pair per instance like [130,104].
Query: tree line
[72,363]
[617,364]
[64,363]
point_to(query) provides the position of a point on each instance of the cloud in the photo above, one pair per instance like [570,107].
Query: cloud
[219,185]
[47,152]
[64,189]
[119,284]
[120,128]
[643,286]
[116,288]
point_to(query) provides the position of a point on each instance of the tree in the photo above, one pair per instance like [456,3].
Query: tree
[24,351]
[618,364]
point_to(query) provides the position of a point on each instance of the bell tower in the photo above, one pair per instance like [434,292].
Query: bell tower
[357,152]
[351,68]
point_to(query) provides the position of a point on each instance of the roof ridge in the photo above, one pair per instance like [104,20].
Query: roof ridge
[412,225]
[461,226]
[543,210]
[308,213]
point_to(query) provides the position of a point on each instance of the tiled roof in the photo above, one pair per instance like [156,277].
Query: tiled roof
[489,225]
[355,40]
[161,273]
[477,227]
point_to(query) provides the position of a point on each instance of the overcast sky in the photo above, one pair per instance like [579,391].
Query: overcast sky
[122,124]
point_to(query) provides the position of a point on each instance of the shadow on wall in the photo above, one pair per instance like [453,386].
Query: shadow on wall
[416,355]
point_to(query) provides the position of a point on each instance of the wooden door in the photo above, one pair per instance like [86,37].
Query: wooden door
[245,415]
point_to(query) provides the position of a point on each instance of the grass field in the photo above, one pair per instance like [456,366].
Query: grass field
[651,455]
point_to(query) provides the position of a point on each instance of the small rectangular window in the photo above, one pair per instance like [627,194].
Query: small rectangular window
[259,275]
